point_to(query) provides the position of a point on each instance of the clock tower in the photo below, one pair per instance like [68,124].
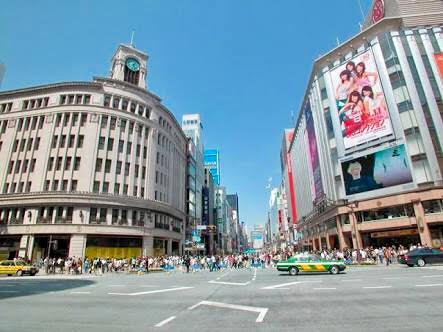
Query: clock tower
[129,65]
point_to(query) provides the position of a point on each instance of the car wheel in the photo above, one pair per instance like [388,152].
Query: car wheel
[334,269]
[293,271]
[421,262]
[410,265]
[19,273]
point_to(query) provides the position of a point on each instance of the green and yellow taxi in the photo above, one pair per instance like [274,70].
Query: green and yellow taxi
[310,263]
[17,267]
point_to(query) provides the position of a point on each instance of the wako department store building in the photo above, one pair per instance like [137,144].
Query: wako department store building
[91,168]
[368,141]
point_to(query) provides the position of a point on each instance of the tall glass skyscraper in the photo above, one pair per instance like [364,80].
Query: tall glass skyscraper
[212,162]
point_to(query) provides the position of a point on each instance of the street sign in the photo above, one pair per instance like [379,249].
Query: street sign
[201,227]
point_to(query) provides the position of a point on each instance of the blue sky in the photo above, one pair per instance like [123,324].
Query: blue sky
[242,64]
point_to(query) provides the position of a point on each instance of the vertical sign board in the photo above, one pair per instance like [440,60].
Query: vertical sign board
[313,159]
[439,61]
[257,240]
[205,216]
[288,137]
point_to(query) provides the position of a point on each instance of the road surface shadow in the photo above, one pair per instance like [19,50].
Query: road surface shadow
[10,288]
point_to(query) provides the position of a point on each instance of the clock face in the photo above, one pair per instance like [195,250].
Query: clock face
[132,64]
[378,11]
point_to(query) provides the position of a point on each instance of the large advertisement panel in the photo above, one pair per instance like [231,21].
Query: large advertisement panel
[362,111]
[382,169]
[289,134]
[314,162]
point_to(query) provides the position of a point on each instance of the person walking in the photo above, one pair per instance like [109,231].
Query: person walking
[388,255]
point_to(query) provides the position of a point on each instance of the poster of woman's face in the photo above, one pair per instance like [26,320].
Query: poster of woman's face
[362,112]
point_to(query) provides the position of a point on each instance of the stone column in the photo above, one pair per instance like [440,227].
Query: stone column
[314,247]
[320,246]
[356,237]
[423,229]
[23,249]
[30,247]
[341,238]
[169,247]
[328,241]
[148,246]
[77,245]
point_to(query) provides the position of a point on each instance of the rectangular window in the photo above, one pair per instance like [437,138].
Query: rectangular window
[133,105]
[105,187]
[20,187]
[83,119]
[74,185]
[62,99]
[155,195]
[110,144]
[114,216]
[68,163]
[32,166]
[129,148]
[137,151]
[64,185]
[50,163]
[13,187]
[103,213]
[116,188]
[115,102]
[30,142]
[145,152]
[25,165]
[107,101]
[58,119]
[37,143]
[120,146]
[101,143]
[136,170]
[131,127]
[11,166]
[71,141]
[22,145]
[55,185]
[142,192]
[126,169]
[113,121]
[135,191]
[66,119]
[108,166]
[118,168]
[104,122]
[41,121]
[28,187]
[59,163]
[122,125]
[157,159]
[156,176]
[98,165]
[14,147]
[87,99]
[77,163]
[62,141]
[80,141]
[54,141]
[71,99]
[20,124]
[125,189]
[96,187]
[27,123]
[69,213]
[124,104]
[143,172]
[74,119]
[78,99]
[46,187]
[18,164]
[34,123]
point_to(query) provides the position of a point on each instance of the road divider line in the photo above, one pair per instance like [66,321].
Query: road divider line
[325,288]
[164,322]
[433,276]
[229,283]
[376,287]
[262,311]
[8,291]
[349,280]
[429,285]
[152,292]
[289,284]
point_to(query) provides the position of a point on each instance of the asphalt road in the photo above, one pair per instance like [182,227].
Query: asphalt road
[361,299]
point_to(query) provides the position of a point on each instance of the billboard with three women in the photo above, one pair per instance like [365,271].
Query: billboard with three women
[362,112]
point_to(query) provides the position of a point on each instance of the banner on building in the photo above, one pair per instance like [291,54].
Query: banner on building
[382,169]
[362,112]
[205,214]
[439,61]
[313,159]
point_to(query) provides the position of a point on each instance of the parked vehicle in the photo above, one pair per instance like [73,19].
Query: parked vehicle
[421,257]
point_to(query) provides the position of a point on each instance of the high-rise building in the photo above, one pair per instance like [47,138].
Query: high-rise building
[367,152]
[91,169]
[212,162]
[193,129]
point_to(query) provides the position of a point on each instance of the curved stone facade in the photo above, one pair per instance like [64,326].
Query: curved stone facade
[84,159]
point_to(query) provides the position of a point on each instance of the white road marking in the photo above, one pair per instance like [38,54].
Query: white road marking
[262,311]
[377,287]
[116,285]
[324,288]
[152,292]
[223,275]
[80,292]
[433,276]
[229,283]
[430,285]
[289,284]
[164,322]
